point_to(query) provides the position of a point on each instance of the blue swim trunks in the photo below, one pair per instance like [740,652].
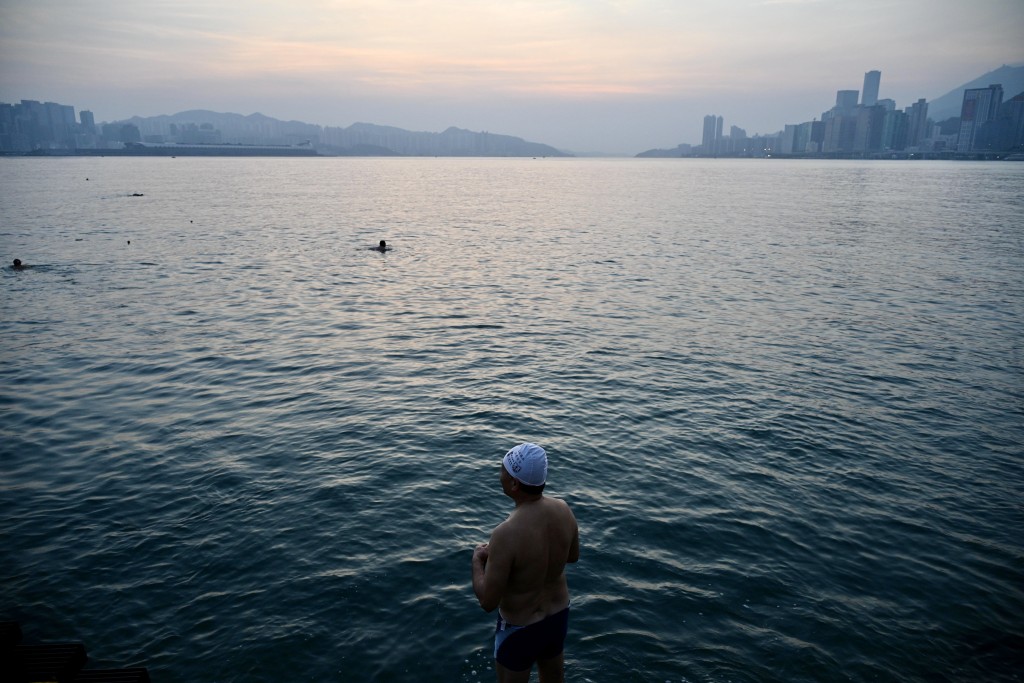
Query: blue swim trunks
[518,647]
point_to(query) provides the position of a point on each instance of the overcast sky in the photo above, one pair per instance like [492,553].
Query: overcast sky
[618,76]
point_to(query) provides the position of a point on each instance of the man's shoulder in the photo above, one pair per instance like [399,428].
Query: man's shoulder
[555,510]
[560,505]
[504,529]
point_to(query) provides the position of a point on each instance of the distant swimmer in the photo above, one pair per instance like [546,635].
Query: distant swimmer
[18,265]
[382,247]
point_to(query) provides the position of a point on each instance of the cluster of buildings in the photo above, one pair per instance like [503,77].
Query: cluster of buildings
[862,125]
[31,126]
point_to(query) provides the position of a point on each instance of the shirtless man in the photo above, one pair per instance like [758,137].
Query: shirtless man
[521,571]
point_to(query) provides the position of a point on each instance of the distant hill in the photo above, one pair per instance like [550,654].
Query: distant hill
[359,139]
[201,116]
[1010,77]
[679,151]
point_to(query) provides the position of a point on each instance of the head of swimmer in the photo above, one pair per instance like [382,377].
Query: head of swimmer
[514,488]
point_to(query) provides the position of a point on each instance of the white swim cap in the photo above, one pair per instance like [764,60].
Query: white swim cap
[528,463]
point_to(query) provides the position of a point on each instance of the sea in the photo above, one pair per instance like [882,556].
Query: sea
[784,399]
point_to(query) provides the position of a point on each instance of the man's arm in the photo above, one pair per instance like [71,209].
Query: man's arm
[492,563]
[574,547]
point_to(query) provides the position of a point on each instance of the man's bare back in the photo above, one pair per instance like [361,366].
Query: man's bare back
[521,571]
[539,537]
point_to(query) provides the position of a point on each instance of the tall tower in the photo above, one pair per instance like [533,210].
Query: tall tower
[712,133]
[871,81]
[979,107]
[917,122]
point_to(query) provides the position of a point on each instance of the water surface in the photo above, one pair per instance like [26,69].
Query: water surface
[783,398]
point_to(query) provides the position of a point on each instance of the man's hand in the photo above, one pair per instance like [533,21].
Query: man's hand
[489,582]
[480,554]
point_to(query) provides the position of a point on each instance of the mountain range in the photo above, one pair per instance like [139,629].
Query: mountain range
[359,139]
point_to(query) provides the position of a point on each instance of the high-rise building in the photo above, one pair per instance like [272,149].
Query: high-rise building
[917,123]
[788,140]
[817,136]
[846,101]
[802,143]
[32,125]
[871,82]
[1006,133]
[980,105]
[894,130]
[736,142]
[838,134]
[712,133]
[88,122]
[868,127]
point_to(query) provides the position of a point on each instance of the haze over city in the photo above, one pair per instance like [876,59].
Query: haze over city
[614,76]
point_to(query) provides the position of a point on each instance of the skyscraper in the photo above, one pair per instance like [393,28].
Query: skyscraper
[846,101]
[712,133]
[1007,133]
[980,106]
[868,126]
[917,122]
[871,81]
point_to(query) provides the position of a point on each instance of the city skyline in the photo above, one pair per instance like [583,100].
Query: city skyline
[860,123]
[570,73]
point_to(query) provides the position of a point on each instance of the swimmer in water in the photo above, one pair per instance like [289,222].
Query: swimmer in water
[18,265]
[382,247]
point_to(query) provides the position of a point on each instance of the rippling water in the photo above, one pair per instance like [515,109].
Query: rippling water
[784,399]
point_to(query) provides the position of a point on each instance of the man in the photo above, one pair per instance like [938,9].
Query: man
[521,571]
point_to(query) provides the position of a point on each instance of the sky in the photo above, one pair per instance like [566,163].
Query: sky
[612,76]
